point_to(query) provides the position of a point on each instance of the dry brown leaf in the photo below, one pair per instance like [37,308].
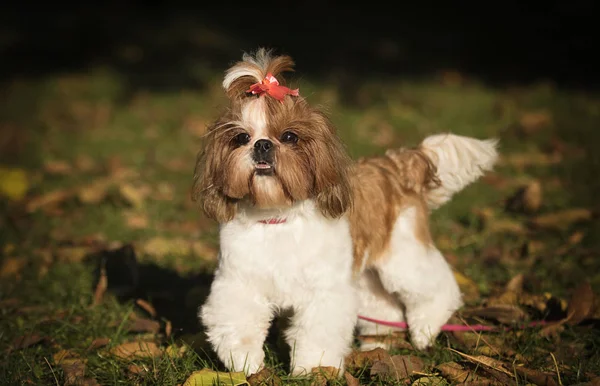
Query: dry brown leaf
[359,359]
[25,341]
[265,377]
[527,199]
[322,374]
[137,350]
[136,220]
[350,379]
[522,160]
[533,122]
[457,373]
[9,303]
[133,195]
[467,286]
[137,369]
[144,325]
[505,225]
[160,247]
[487,362]
[93,193]
[536,377]
[99,343]
[59,167]
[168,328]
[48,199]
[101,287]
[553,330]
[202,249]
[146,306]
[503,313]
[398,367]
[563,219]
[84,163]
[581,304]
[72,254]
[12,267]
[429,381]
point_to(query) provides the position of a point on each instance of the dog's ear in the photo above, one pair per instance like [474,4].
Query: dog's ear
[332,180]
[205,189]
[253,69]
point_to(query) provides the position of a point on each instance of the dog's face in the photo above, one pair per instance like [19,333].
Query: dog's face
[270,154]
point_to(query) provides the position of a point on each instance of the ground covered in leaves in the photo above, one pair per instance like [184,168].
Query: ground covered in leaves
[104,259]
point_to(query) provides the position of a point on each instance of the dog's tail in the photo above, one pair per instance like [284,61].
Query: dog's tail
[458,161]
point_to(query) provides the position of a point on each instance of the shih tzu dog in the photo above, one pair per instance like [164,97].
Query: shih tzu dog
[302,227]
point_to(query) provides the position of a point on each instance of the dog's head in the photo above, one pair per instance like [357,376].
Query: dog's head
[271,148]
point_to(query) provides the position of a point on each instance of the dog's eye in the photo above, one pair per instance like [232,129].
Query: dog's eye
[241,139]
[289,137]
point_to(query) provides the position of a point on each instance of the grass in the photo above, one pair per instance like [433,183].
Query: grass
[97,127]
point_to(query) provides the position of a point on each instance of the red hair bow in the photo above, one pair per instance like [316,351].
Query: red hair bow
[271,86]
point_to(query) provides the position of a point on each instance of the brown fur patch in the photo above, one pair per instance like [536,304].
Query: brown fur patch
[382,188]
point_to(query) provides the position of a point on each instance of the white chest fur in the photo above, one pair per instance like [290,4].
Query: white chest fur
[288,261]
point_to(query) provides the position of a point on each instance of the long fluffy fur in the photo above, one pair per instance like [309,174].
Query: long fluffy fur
[352,237]
[459,161]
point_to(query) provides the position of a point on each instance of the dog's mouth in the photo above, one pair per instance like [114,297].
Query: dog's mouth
[264,168]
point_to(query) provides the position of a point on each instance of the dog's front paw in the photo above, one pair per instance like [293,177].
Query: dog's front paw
[422,337]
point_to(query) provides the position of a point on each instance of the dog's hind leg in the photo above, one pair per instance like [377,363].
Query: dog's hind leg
[376,303]
[419,275]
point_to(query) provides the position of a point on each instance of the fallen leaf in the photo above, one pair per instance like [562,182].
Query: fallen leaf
[133,195]
[581,304]
[210,377]
[536,377]
[137,369]
[9,303]
[350,379]
[503,313]
[98,343]
[457,373]
[175,351]
[487,362]
[59,167]
[533,122]
[146,306]
[48,199]
[143,325]
[265,377]
[397,367]
[84,163]
[93,193]
[160,247]
[563,219]
[168,328]
[429,381]
[137,350]
[359,359]
[101,287]
[164,192]
[12,267]
[72,254]
[505,225]
[13,183]
[467,286]
[25,341]
[323,374]
[136,220]
[527,199]
[522,160]
[202,249]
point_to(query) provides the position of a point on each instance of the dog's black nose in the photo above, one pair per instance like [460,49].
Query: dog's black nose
[263,146]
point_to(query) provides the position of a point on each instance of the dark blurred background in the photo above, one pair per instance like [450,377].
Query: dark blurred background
[155,44]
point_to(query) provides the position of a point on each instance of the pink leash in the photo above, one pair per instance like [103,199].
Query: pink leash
[451,327]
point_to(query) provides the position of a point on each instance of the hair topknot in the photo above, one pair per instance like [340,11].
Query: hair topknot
[253,68]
